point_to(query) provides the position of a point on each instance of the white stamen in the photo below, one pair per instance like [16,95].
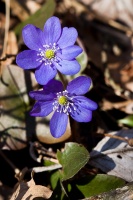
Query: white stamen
[65,108]
[42,54]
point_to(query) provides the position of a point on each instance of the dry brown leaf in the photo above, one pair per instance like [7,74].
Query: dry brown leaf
[29,190]
[37,191]
[12,46]
[33,6]
[125,106]
[20,12]
[11,49]
[24,8]
[20,191]
[121,75]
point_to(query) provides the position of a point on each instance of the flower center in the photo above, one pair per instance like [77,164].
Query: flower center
[64,103]
[49,54]
[62,100]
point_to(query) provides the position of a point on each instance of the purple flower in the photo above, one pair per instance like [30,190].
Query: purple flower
[50,50]
[63,103]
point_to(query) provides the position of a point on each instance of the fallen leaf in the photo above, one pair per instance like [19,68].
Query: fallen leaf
[114,9]
[21,12]
[37,191]
[14,104]
[29,190]
[114,156]
[11,49]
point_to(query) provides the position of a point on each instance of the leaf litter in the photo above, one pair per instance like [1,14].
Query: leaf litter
[114,156]
[105,33]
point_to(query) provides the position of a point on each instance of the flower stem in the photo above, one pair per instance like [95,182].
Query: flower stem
[75,136]
[63,80]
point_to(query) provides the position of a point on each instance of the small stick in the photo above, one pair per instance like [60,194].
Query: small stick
[7,56]
[48,168]
[7,21]
[114,136]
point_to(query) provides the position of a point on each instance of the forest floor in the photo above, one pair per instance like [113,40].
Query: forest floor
[31,159]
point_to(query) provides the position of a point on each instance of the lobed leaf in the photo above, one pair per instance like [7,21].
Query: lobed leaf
[74,157]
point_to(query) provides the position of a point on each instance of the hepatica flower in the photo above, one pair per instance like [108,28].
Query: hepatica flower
[50,50]
[64,103]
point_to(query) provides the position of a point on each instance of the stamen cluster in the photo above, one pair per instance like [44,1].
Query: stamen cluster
[63,103]
[48,54]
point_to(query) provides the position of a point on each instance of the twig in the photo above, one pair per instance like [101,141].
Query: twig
[42,150]
[43,169]
[114,136]
[37,147]
[7,56]
[7,21]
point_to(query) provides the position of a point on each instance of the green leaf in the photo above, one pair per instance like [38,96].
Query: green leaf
[58,192]
[54,179]
[48,163]
[74,157]
[39,17]
[127,120]
[93,185]
[83,61]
